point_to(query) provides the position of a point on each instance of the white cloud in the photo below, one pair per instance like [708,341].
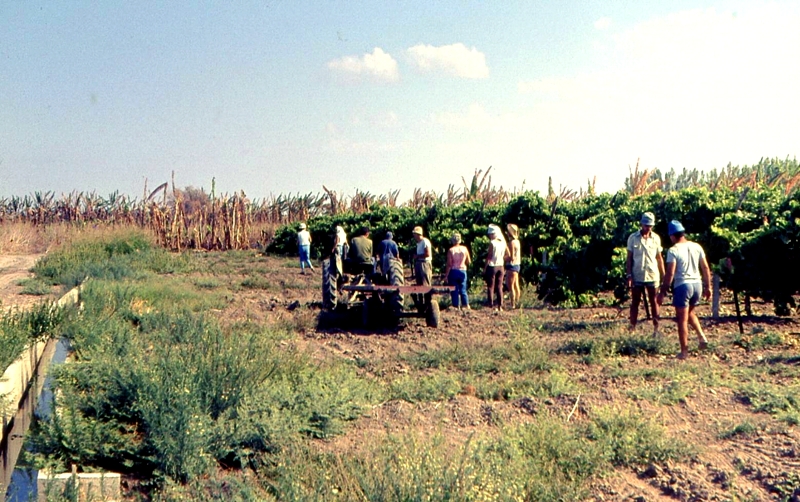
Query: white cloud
[377,67]
[454,59]
[696,88]
[603,23]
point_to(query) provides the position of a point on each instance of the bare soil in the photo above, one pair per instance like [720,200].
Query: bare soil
[14,268]
[763,464]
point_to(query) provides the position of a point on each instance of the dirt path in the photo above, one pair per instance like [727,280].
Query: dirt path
[13,268]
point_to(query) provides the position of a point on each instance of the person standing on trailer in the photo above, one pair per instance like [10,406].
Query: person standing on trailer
[360,253]
[645,268]
[387,250]
[423,262]
[304,247]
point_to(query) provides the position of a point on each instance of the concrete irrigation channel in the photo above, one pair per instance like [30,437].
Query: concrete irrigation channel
[25,388]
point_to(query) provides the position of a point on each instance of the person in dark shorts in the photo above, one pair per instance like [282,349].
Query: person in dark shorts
[688,272]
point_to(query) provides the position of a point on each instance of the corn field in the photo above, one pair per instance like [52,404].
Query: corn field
[191,218]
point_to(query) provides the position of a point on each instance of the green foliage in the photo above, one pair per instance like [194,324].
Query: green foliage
[34,286]
[629,438]
[158,389]
[631,345]
[574,248]
[123,255]
[541,461]
[18,329]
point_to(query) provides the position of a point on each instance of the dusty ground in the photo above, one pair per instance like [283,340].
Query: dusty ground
[763,464]
[13,268]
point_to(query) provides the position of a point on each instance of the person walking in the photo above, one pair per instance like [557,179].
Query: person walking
[512,266]
[688,272]
[493,270]
[304,247]
[455,271]
[645,269]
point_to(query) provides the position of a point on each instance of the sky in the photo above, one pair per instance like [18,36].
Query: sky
[288,97]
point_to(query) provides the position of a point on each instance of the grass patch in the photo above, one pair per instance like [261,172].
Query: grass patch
[19,329]
[759,340]
[256,282]
[541,461]
[518,355]
[743,429]
[595,350]
[629,438]
[34,286]
[781,401]
[668,392]
[125,253]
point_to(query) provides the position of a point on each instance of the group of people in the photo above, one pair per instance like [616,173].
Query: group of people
[649,275]
[685,269]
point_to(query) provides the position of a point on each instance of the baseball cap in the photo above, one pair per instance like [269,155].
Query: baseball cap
[675,227]
[418,231]
[648,219]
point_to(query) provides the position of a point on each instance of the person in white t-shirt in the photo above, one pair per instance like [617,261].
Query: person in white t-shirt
[688,272]
[493,270]
[304,246]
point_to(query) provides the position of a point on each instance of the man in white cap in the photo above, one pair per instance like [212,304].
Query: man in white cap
[688,268]
[645,268]
[423,258]
[304,246]
[423,268]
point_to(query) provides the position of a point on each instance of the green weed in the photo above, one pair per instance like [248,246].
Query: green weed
[34,286]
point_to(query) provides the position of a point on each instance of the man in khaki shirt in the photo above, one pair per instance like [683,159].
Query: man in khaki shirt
[645,268]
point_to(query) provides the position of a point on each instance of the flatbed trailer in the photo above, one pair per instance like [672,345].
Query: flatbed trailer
[380,302]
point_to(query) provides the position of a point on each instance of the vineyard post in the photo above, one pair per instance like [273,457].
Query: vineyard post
[738,310]
[715,298]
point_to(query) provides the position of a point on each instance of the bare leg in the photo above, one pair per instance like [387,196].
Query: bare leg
[681,318]
[636,298]
[515,288]
[694,322]
[651,296]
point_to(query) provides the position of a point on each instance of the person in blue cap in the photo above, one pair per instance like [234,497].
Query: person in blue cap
[387,250]
[688,272]
[645,268]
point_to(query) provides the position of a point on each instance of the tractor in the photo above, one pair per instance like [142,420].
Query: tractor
[380,297]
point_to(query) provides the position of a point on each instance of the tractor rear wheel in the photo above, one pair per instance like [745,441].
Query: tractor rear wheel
[432,314]
[330,293]
[396,278]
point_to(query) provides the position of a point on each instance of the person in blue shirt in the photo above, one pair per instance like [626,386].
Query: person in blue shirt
[387,250]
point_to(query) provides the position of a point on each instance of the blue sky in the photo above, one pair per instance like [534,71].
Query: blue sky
[277,97]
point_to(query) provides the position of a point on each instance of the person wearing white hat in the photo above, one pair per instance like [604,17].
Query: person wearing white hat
[645,268]
[493,270]
[340,242]
[423,259]
[304,246]
[688,268]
